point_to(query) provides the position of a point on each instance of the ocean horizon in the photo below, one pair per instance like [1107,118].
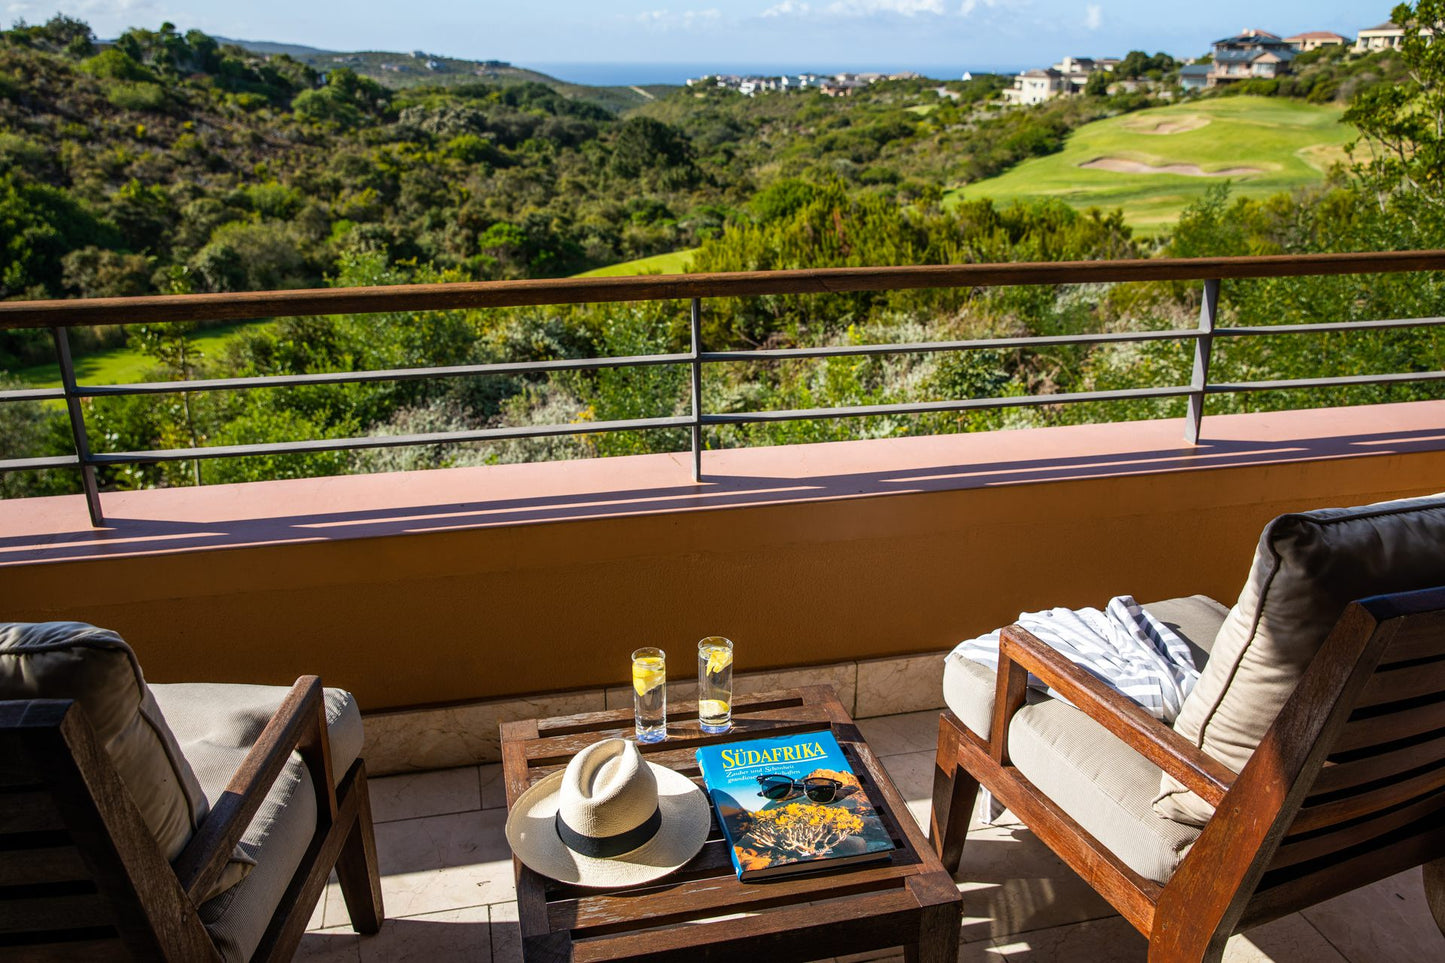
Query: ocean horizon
[634,74]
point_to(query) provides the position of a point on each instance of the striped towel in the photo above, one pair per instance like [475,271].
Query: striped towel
[1124,646]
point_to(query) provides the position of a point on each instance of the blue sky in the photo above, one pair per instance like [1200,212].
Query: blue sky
[827,34]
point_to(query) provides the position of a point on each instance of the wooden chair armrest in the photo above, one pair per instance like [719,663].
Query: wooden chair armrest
[299,724]
[1161,745]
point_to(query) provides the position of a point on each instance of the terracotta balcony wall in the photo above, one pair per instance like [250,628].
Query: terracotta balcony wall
[456,585]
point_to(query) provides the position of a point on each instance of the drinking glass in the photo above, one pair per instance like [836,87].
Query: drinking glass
[715,684]
[649,694]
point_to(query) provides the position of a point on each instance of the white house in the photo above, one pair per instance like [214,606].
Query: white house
[1386,36]
[1068,76]
[1315,39]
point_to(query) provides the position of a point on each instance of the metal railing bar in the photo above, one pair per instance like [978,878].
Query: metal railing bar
[250,305]
[46,461]
[88,482]
[389,374]
[695,377]
[33,394]
[1342,380]
[926,347]
[384,441]
[1256,329]
[1203,346]
[930,407]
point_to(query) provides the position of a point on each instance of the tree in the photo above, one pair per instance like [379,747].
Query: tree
[1402,126]
[1097,85]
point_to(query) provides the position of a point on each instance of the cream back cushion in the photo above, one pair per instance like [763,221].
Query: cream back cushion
[1307,568]
[72,660]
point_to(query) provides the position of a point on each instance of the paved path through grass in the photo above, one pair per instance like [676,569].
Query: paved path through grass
[1281,144]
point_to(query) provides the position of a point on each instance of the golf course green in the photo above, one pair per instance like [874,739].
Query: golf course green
[1152,163]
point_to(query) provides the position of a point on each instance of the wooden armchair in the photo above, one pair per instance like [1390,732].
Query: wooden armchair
[1347,786]
[83,877]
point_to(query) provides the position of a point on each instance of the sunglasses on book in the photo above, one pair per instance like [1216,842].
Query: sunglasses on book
[817,788]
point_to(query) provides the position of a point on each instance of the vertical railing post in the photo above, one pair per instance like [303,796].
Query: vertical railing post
[77,426]
[696,327]
[1203,345]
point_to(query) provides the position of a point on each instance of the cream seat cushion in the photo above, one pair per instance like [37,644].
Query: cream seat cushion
[1103,784]
[95,667]
[1106,787]
[216,725]
[968,687]
[1307,568]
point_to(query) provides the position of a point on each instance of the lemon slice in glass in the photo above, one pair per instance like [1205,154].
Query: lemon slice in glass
[719,659]
[712,708]
[647,676]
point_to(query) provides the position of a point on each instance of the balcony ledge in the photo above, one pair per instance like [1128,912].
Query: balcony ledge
[37,530]
[487,583]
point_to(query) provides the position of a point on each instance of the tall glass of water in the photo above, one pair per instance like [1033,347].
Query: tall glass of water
[649,694]
[715,684]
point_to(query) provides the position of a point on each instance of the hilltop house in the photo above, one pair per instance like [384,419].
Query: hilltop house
[1249,55]
[1195,76]
[1068,76]
[1315,39]
[1385,36]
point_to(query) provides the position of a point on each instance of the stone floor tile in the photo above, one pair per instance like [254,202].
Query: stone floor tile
[441,863]
[1388,920]
[425,794]
[1012,883]
[339,945]
[1290,939]
[454,935]
[1109,940]
[494,788]
[910,732]
[318,914]
[912,774]
[506,933]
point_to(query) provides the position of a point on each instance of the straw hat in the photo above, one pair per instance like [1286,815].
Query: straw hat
[610,819]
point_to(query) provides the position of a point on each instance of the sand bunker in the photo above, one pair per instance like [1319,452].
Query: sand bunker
[1164,125]
[1119,165]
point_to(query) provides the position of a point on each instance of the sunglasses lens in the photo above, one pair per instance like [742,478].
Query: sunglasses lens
[774,787]
[821,791]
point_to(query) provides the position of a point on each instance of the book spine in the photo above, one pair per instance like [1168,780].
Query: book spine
[709,782]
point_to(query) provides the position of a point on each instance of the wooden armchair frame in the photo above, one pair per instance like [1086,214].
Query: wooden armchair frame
[82,876]
[1346,788]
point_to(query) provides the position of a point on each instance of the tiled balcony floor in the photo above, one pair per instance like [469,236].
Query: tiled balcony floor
[447,882]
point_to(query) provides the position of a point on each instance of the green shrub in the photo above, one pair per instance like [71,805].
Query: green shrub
[112,64]
[137,96]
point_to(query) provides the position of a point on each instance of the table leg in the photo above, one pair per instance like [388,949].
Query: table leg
[938,921]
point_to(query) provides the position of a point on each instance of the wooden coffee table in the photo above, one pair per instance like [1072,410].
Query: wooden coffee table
[702,912]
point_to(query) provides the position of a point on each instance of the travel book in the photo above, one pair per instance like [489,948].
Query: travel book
[791,804]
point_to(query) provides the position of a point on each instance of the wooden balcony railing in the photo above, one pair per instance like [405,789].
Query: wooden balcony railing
[60,315]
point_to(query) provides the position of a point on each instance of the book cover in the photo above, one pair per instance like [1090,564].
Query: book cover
[791,804]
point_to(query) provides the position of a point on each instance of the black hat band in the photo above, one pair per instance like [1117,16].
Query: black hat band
[605,847]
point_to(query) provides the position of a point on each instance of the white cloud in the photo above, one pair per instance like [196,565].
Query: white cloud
[864,8]
[668,19]
[969,6]
[1093,16]
[787,8]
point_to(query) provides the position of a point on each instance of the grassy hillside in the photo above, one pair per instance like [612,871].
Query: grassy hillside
[1262,145]
[674,262]
[126,365]
[400,71]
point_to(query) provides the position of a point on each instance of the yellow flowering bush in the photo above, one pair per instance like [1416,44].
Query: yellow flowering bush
[807,830]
